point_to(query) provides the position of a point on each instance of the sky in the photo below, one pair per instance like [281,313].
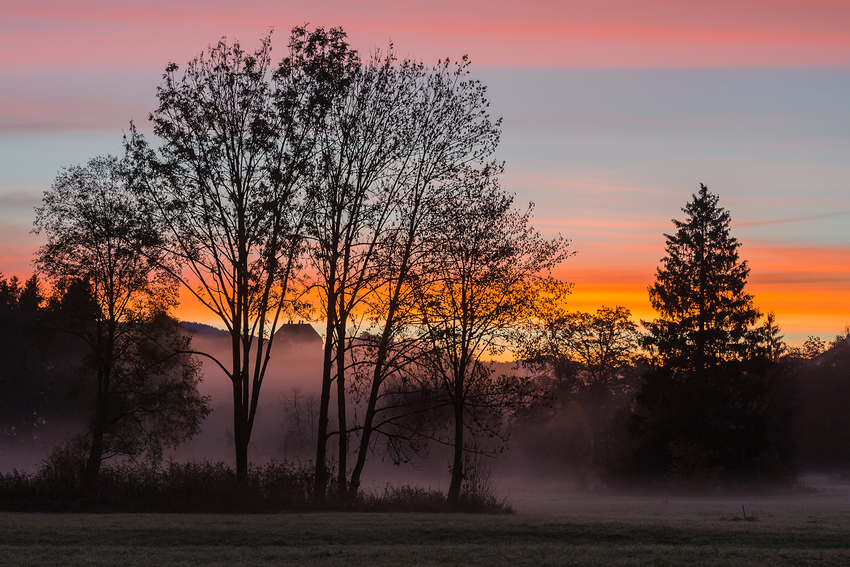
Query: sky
[614,111]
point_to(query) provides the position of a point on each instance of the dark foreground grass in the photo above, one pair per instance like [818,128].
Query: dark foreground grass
[637,535]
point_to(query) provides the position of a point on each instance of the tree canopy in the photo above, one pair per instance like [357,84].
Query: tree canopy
[114,292]
[713,404]
[705,314]
[226,189]
[487,273]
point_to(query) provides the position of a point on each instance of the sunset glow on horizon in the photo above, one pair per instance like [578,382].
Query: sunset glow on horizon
[614,112]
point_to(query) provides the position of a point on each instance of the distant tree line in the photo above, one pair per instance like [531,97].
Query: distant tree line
[708,396]
[120,384]
[364,194]
[35,379]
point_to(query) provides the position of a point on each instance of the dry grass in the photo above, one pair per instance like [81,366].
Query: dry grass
[548,529]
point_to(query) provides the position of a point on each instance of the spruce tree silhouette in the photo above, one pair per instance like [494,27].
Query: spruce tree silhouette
[705,312]
[713,404]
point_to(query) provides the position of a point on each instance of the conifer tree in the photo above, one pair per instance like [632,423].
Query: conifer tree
[705,312]
[713,406]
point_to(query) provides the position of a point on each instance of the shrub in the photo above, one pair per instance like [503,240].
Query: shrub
[204,486]
[208,486]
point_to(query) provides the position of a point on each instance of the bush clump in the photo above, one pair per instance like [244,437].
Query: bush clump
[204,486]
[212,487]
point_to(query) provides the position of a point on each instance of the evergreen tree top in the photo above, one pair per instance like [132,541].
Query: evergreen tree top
[699,290]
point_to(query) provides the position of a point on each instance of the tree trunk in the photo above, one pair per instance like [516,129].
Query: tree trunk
[240,436]
[95,458]
[341,414]
[320,479]
[354,484]
[377,382]
[453,500]
[366,434]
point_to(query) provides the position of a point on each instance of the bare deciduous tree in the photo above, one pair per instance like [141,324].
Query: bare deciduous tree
[227,187]
[300,422]
[591,353]
[357,145]
[487,274]
[115,292]
[445,129]
[588,362]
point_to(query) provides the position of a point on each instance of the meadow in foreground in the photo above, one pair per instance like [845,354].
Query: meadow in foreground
[551,529]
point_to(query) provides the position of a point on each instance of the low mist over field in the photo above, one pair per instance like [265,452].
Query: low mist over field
[407,321]
[294,376]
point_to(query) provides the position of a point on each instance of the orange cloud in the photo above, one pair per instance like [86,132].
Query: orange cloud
[807,288]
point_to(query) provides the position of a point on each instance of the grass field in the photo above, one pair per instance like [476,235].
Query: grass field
[548,529]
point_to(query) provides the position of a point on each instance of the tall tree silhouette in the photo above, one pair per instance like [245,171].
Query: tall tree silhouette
[115,296]
[705,313]
[32,296]
[227,186]
[357,143]
[488,269]
[444,127]
[714,401]
[393,132]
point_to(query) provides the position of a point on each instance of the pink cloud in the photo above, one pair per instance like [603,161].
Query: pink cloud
[495,34]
